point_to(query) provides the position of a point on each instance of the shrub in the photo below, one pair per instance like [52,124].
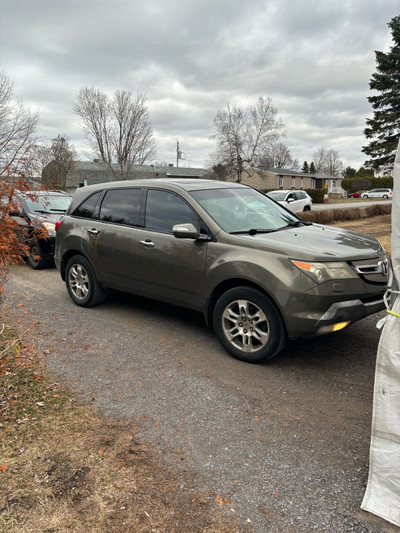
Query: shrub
[355,184]
[327,216]
[317,195]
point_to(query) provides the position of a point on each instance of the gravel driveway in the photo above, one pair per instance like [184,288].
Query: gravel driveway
[285,444]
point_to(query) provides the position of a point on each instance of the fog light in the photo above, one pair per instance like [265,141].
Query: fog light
[333,327]
[340,325]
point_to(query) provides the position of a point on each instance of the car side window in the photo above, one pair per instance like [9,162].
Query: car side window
[121,206]
[87,208]
[165,209]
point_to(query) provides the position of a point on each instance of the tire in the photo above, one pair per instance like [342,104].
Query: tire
[257,333]
[81,282]
[307,208]
[385,196]
[365,195]
[35,259]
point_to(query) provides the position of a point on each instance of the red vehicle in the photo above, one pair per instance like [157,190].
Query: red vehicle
[357,194]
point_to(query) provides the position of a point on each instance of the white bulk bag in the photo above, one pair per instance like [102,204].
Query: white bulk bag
[382,496]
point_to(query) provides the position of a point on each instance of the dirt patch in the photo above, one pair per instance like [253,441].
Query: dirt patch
[63,469]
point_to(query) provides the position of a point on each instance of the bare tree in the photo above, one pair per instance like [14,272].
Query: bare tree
[61,157]
[118,129]
[327,161]
[17,128]
[243,134]
[277,155]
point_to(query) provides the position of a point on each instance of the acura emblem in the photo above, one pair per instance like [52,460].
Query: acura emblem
[383,266]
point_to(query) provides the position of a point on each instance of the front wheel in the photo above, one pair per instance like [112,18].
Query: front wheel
[82,284]
[365,195]
[249,325]
[35,259]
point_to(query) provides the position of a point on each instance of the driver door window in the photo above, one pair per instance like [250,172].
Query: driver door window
[165,209]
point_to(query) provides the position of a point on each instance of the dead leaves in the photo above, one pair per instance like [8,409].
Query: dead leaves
[222,501]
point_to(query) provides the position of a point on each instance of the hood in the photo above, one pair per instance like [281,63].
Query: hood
[317,242]
[48,217]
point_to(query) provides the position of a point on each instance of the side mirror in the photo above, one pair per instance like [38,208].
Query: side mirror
[185,231]
[289,200]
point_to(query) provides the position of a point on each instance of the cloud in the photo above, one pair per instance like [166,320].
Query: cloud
[313,58]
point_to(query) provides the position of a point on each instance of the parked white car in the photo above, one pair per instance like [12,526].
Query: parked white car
[378,193]
[294,200]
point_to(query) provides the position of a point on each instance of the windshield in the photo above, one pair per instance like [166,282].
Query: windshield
[48,204]
[244,210]
[278,196]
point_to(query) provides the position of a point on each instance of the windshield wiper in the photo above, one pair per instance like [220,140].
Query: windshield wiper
[298,224]
[58,210]
[253,231]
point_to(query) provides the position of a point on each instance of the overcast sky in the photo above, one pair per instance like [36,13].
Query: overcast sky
[314,59]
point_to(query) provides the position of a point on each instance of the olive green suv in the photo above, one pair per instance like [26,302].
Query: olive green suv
[258,273]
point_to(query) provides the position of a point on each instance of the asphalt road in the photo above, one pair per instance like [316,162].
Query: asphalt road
[287,442]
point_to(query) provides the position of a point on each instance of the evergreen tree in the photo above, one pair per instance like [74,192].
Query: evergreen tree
[384,128]
[312,168]
[363,172]
[305,169]
[349,172]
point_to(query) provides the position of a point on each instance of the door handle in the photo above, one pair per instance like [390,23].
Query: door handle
[147,243]
[93,231]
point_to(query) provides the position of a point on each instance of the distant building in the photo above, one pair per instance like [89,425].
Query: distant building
[86,173]
[282,178]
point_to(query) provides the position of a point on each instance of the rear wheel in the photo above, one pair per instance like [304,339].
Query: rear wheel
[249,325]
[35,259]
[385,196]
[82,284]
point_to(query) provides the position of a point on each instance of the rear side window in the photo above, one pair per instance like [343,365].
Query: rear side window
[121,206]
[87,208]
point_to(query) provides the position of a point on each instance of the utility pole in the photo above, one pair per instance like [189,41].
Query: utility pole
[179,154]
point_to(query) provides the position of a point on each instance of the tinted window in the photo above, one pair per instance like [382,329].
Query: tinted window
[165,209]
[121,206]
[86,209]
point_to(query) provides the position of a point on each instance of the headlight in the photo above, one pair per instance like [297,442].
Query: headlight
[321,272]
[51,228]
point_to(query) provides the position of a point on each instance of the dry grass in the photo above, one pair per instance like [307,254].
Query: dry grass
[63,469]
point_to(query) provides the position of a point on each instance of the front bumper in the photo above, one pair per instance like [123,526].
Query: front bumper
[350,311]
[47,247]
[323,310]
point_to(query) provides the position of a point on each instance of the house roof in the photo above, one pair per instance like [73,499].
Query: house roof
[288,172]
[170,171]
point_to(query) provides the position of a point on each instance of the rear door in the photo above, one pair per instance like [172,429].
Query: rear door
[110,240]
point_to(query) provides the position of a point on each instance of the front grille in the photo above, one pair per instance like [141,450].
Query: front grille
[375,270]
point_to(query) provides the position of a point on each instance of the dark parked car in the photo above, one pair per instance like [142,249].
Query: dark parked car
[36,213]
[258,272]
